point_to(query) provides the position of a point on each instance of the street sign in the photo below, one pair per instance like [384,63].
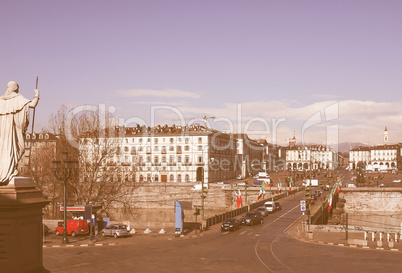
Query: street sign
[303,205]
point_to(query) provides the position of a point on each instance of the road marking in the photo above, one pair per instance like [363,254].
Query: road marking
[84,245]
[242,233]
[353,246]
[341,245]
[394,249]
[272,253]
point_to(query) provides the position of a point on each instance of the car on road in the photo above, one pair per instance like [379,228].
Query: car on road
[252,218]
[116,230]
[317,193]
[230,224]
[382,186]
[278,206]
[270,206]
[263,211]
[396,181]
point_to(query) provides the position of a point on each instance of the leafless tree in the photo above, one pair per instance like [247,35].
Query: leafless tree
[101,178]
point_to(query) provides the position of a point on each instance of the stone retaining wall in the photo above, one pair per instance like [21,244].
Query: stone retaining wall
[372,199]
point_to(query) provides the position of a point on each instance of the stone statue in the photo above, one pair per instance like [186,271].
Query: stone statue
[14,120]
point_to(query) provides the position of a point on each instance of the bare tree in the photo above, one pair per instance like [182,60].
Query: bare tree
[101,179]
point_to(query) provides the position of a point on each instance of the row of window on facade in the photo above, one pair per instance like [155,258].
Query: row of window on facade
[162,149]
[155,159]
[149,140]
[156,178]
[41,136]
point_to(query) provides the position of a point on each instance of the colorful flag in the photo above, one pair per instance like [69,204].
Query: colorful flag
[330,200]
[262,191]
[279,185]
[239,199]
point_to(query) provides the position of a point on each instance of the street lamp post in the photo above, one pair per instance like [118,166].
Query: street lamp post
[63,170]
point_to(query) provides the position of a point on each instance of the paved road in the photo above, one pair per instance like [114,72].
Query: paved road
[261,248]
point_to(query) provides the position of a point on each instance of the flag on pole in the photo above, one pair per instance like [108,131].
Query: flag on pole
[279,185]
[239,199]
[330,200]
[262,191]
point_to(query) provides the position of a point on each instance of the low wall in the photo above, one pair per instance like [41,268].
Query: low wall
[372,199]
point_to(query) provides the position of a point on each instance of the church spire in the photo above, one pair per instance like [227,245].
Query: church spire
[385,136]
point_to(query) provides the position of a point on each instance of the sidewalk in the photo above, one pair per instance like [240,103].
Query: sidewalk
[299,230]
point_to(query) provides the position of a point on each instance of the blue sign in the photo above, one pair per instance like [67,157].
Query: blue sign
[179,217]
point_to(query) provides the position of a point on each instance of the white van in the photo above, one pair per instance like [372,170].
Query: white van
[262,175]
[270,206]
[198,187]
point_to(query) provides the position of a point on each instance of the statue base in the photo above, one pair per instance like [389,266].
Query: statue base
[21,204]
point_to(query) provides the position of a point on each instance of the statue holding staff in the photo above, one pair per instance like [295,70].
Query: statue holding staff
[14,120]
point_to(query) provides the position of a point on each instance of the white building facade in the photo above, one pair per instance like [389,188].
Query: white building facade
[311,157]
[375,158]
[170,154]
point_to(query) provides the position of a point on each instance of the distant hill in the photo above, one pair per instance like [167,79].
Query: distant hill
[347,146]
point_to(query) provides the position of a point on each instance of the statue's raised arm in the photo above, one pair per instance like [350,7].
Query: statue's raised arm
[14,120]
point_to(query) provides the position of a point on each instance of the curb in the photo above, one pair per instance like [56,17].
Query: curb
[81,245]
[353,246]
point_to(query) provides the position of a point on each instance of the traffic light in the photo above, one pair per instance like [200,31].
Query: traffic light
[307,195]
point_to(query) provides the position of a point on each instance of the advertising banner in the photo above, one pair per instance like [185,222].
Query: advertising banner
[179,217]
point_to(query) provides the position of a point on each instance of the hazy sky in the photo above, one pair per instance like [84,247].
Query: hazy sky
[275,64]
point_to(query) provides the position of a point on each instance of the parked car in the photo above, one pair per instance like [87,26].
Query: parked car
[252,218]
[270,206]
[74,227]
[396,181]
[278,206]
[230,224]
[263,211]
[116,230]
[382,186]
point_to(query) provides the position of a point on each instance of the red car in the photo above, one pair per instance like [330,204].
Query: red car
[74,227]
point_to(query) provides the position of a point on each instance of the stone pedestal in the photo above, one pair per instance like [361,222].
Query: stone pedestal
[21,204]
